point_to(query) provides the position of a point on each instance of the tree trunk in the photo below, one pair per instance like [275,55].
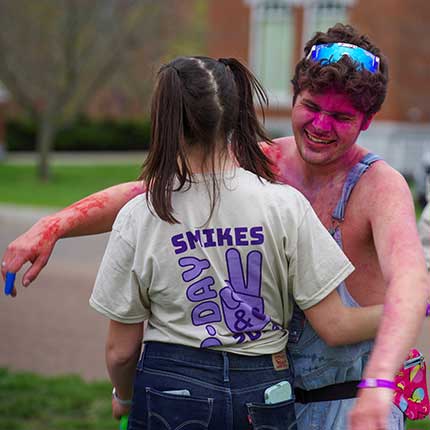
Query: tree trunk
[45,139]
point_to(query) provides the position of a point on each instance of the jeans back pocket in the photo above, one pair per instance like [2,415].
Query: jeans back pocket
[278,416]
[177,412]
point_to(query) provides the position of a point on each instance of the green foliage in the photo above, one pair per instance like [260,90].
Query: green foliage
[29,401]
[83,135]
[69,183]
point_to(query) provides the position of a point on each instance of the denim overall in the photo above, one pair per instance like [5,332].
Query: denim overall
[318,365]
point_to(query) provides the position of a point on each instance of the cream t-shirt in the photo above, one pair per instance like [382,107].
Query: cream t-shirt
[227,285]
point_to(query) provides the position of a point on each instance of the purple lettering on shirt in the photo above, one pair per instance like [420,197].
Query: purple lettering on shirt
[179,243]
[240,235]
[193,238]
[209,233]
[211,330]
[242,306]
[257,235]
[197,267]
[201,290]
[224,235]
[205,313]
[210,341]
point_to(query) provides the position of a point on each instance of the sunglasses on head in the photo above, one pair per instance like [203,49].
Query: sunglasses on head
[332,52]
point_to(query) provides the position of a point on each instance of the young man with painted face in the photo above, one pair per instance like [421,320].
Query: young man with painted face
[337,90]
[335,98]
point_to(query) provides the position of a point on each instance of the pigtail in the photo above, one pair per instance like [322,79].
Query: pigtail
[248,131]
[166,158]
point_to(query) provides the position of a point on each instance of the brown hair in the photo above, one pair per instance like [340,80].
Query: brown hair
[366,90]
[200,101]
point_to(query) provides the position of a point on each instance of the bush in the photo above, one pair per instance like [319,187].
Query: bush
[20,135]
[83,135]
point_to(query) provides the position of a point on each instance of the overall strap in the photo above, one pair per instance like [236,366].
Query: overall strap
[351,180]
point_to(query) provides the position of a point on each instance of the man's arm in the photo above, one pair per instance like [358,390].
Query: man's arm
[424,232]
[338,324]
[123,346]
[390,211]
[92,215]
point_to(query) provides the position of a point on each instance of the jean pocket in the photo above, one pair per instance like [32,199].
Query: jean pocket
[172,411]
[278,416]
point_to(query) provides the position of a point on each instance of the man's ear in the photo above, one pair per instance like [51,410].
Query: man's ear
[366,122]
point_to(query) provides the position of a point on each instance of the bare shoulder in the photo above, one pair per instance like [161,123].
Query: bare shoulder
[384,192]
[285,144]
[381,179]
[283,148]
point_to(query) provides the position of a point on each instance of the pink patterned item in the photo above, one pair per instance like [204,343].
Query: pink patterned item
[411,395]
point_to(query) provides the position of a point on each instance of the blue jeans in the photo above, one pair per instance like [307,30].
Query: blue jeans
[225,391]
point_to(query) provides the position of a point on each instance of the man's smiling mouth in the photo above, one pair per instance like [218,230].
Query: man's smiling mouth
[318,140]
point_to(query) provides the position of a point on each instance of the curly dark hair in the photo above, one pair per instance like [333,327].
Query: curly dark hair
[366,90]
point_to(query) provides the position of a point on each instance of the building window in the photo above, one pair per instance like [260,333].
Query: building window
[319,15]
[272,47]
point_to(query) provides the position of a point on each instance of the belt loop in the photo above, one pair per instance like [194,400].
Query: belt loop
[226,365]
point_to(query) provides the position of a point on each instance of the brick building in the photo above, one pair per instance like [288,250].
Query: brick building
[269,35]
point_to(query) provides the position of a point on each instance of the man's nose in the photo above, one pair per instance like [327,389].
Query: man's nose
[322,122]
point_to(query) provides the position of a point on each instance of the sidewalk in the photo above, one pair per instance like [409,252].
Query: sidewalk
[26,215]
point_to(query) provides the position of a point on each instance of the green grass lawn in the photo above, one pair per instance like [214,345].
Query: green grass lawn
[33,402]
[19,185]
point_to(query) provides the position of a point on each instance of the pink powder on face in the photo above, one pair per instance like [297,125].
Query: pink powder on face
[326,127]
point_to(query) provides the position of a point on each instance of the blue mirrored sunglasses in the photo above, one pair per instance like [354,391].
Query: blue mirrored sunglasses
[333,52]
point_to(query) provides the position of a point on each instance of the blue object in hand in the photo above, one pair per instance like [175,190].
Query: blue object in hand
[10,280]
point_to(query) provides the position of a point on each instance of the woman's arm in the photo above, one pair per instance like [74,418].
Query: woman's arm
[123,346]
[92,215]
[338,324]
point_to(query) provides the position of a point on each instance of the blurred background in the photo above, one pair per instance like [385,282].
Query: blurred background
[75,82]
